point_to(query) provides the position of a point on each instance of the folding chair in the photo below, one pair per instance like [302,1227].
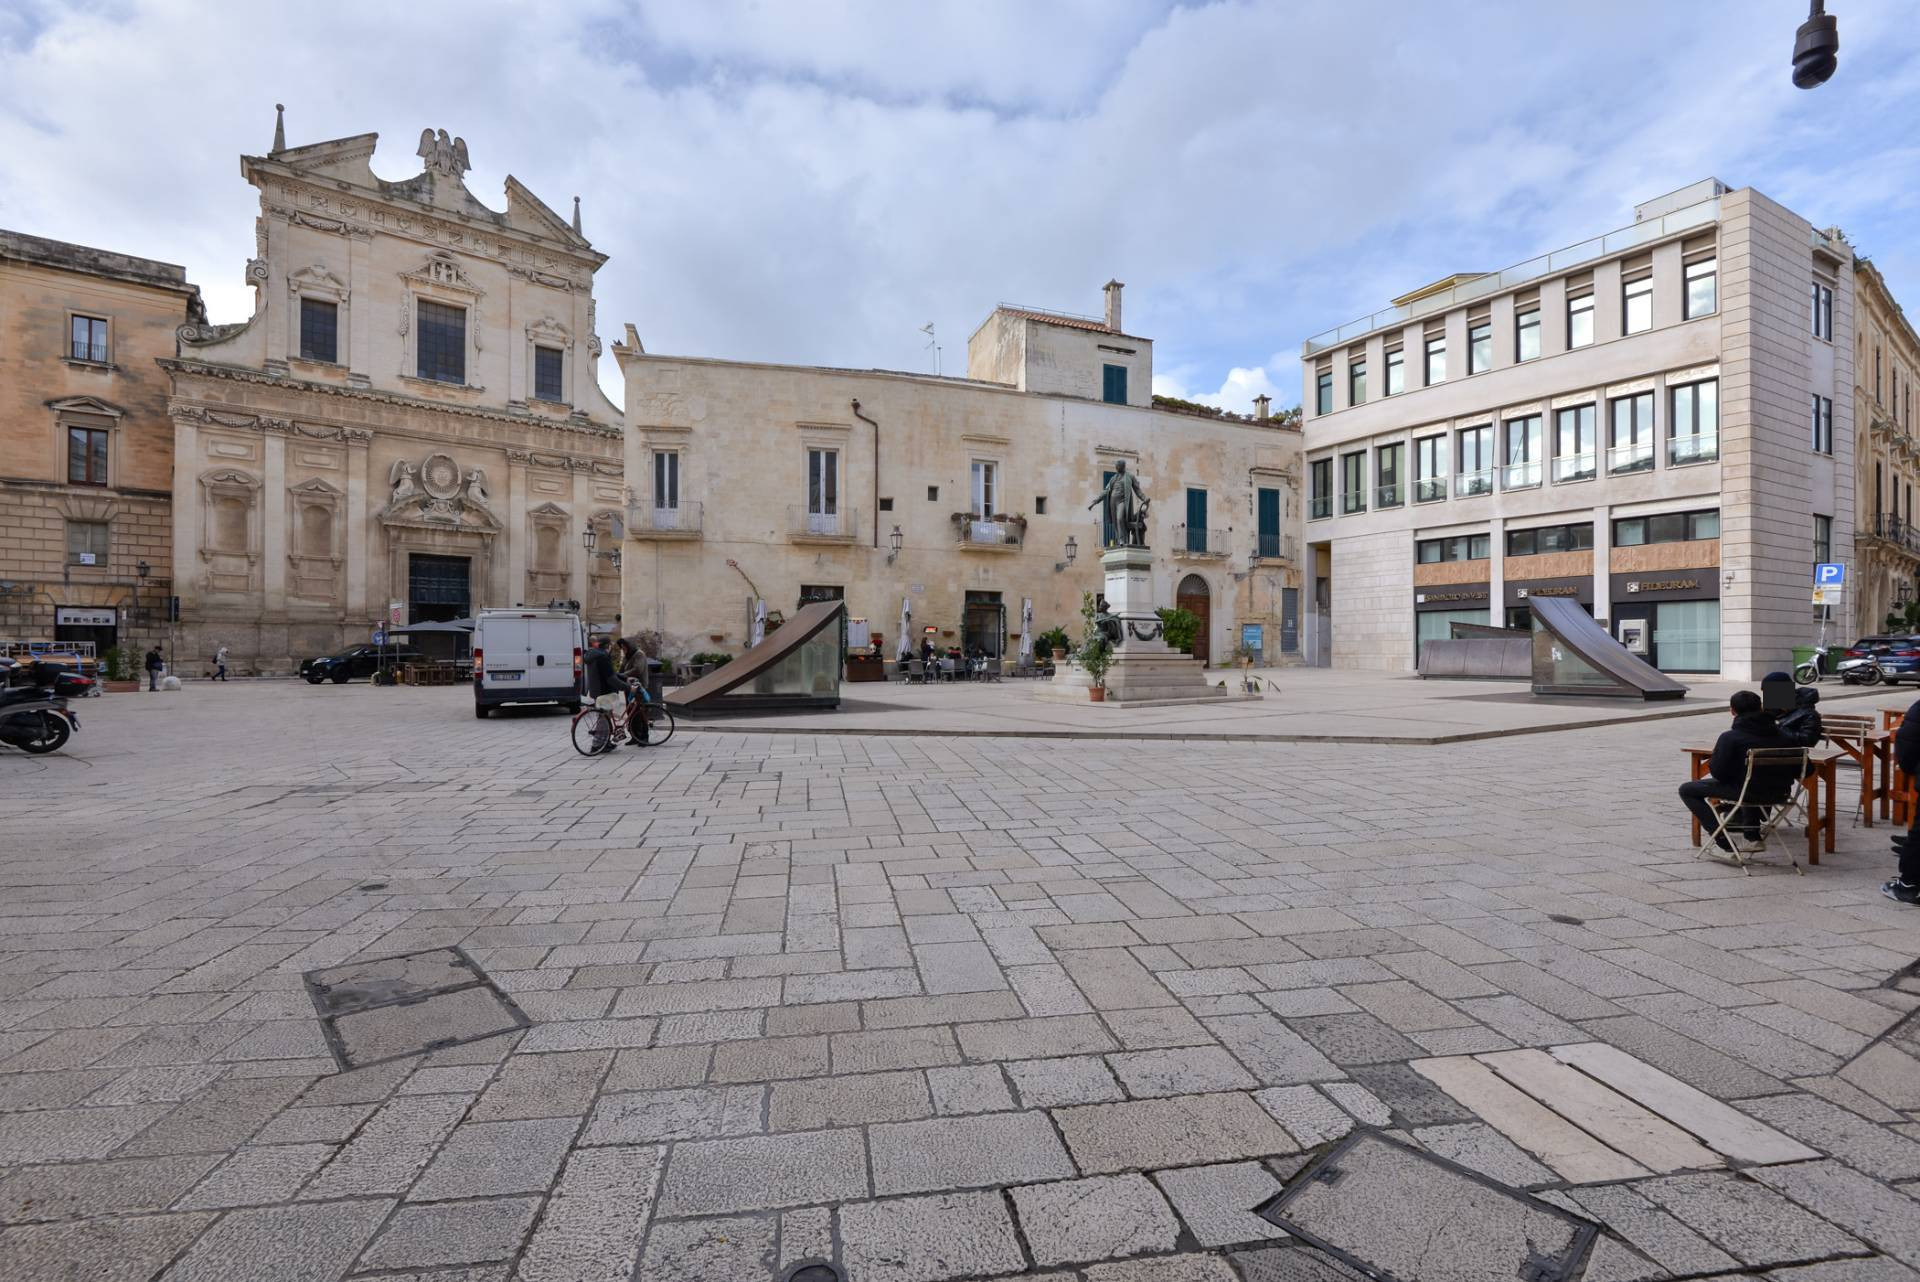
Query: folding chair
[916,671]
[1765,766]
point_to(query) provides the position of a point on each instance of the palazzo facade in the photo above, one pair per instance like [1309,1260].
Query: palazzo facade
[408,423]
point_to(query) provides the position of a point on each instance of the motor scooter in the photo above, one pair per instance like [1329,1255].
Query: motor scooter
[33,717]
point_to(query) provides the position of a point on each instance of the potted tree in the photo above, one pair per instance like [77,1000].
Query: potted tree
[118,672]
[1096,656]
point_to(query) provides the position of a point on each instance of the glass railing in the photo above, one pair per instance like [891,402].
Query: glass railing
[1703,448]
[1573,467]
[1430,489]
[1520,476]
[1387,496]
[1320,507]
[1630,458]
[1353,501]
[1467,483]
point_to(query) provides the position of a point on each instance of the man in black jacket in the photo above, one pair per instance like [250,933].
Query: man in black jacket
[1906,751]
[1727,771]
[604,686]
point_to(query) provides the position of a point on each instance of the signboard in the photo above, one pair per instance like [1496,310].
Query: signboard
[86,616]
[396,614]
[1254,637]
[1830,574]
[379,636]
[1826,596]
[84,558]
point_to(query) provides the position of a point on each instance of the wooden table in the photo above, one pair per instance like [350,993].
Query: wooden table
[1821,769]
[1864,749]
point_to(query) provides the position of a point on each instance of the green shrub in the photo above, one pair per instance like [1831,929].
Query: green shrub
[1179,628]
[1052,639]
[713,658]
[114,664]
[1096,656]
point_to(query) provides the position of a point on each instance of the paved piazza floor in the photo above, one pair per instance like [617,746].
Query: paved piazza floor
[930,1008]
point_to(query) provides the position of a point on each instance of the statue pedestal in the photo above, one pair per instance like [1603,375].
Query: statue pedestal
[1144,669]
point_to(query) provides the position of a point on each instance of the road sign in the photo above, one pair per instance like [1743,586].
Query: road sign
[380,634]
[396,613]
[1826,596]
[1830,574]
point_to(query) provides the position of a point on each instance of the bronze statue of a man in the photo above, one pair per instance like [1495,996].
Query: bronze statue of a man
[1123,507]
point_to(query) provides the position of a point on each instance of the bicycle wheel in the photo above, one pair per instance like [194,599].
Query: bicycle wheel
[659,724]
[592,732]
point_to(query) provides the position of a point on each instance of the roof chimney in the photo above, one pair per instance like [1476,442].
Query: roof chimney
[1113,305]
[1261,404]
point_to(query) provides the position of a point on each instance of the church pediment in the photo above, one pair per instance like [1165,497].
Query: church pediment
[444,271]
[85,405]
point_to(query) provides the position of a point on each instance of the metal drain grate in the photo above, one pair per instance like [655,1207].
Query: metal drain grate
[391,1007]
[1401,1215]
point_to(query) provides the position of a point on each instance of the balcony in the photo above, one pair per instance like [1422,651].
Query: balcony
[1467,484]
[1352,501]
[645,521]
[1198,540]
[1636,457]
[805,526]
[1701,448]
[1430,489]
[1901,535]
[1276,547]
[988,533]
[1320,507]
[1573,467]
[1520,476]
[91,353]
[1390,495]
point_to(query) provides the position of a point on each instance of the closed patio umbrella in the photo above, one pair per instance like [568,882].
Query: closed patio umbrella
[906,628]
[1026,631]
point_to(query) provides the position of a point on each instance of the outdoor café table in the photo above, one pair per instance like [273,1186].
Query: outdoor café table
[1864,750]
[1820,770]
[1890,718]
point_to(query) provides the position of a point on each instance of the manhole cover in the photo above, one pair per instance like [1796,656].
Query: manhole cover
[814,1272]
[1401,1215]
[390,1007]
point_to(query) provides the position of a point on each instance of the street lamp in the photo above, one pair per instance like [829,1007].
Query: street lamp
[893,541]
[1072,550]
[588,537]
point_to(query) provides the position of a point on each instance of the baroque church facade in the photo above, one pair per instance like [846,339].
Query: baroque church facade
[409,421]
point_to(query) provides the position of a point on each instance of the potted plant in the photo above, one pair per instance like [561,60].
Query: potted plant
[1096,656]
[118,672]
[1056,642]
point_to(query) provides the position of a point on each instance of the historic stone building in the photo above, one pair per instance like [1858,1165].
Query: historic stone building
[1886,361]
[410,415]
[86,449]
[958,496]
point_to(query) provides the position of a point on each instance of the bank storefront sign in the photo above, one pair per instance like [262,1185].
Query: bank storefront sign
[86,616]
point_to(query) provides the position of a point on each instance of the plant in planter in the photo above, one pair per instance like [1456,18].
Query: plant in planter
[1055,641]
[1178,628]
[1096,656]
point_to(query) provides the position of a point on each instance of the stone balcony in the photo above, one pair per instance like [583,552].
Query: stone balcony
[1198,541]
[645,521]
[988,533]
[806,526]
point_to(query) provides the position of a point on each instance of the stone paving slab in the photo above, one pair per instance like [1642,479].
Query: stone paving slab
[853,998]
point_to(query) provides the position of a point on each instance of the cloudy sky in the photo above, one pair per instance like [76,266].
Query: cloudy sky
[814,180]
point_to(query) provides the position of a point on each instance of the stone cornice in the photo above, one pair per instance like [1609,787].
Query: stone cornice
[230,373]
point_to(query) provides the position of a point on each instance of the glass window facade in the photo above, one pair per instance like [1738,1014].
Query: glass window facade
[1636,306]
[1523,453]
[319,330]
[1580,321]
[1573,443]
[1479,347]
[1388,469]
[1823,317]
[1703,287]
[1437,625]
[1353,482]
[1475,454]
[1526,335]
[1436,360]
[547,382]
[1686,636]
[442,341]
[1693,422]
[1630,434]
[1396,372]
[1323,392]
[1320,490]
[1822,424]
[86,456]
[1357,383]
[1430,468]
[88,340]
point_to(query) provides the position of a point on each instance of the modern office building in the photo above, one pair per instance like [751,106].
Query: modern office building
[963,498]
[1643,422]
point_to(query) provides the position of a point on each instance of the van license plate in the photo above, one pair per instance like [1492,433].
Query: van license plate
[504,676]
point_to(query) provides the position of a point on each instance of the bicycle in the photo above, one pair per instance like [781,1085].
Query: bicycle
[595,730]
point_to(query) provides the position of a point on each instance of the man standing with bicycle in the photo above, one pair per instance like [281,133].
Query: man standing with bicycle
[608,689]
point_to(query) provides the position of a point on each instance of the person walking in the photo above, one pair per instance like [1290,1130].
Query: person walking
[155,664]
[1905,886]
[220,663]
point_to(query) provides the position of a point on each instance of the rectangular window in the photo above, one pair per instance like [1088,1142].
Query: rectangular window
[1113,384]
[1387,466]
[666,480]
[1686,636]
[823,483]
[1550,538]
[1523,453]
[1703,287]
[87,543]
[1323,392]
[1457,547]
[1320,489]
[1436,360]
[88,340]
[1876,373]
[1822,424]
[1039,505]
[1668,527]
[1196,520]
[1822,539]
[1636,312]
[442,342]
[1353,482]
[1480,347]
[1267,514]
[1630,443]
[1526,335]
[1579,321]
[1430,468]
[986,488]
[1357,383]
[1396,372]
[1693,422]
[1823,313]
[1573,443]
[319,331]
[86,456]
[1475,455]
[547,364]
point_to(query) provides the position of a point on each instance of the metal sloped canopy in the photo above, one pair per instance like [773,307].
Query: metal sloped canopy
[1573,654]
[761,679]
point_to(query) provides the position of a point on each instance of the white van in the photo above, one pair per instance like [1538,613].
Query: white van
[527,656]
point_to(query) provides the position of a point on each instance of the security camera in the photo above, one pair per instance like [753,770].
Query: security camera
[1816,48]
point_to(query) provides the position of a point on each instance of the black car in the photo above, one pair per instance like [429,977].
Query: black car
[355,661]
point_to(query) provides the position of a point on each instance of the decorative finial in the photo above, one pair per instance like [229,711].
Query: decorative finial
[279,126]
[576,216]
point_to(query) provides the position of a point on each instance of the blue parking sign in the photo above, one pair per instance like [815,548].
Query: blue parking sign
[379,636]
[1830,574]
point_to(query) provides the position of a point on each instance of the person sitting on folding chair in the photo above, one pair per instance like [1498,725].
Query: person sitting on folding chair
[1727,771]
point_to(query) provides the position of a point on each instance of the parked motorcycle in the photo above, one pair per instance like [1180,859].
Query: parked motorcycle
[34,717]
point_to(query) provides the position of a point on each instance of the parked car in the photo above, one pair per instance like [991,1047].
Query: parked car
[1898,654]
[355,661]
[527,656]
